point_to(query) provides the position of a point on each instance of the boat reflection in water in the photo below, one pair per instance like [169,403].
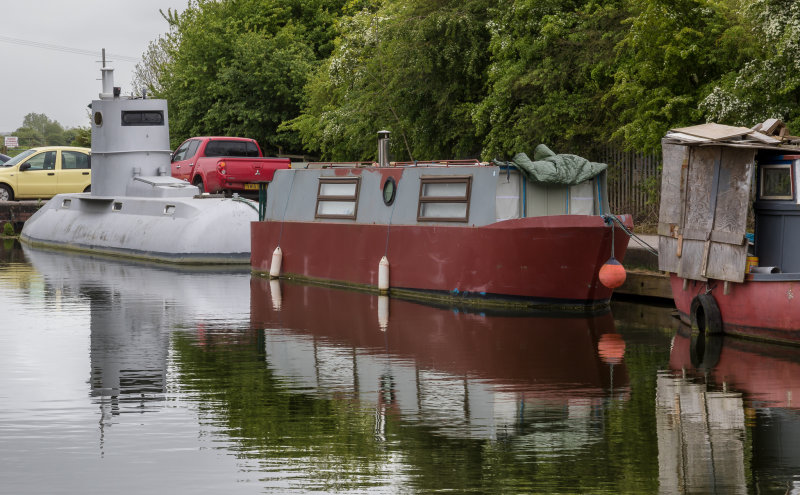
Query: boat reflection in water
[461,374]
[133,306]
[729,406]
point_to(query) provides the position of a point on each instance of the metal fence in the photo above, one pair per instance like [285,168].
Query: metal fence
[634,183]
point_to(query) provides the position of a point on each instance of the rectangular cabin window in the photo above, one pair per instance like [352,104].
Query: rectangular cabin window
[776,181]
[338,197]
[142,117]
[444,198]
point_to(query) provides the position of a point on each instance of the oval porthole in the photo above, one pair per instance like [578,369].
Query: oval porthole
[389,191]
[98,119]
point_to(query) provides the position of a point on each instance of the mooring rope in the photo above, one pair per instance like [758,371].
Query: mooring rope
[648,247]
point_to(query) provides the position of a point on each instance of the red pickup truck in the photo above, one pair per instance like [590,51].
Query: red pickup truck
[224,164]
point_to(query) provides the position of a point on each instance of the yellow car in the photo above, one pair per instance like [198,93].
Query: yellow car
[46,171]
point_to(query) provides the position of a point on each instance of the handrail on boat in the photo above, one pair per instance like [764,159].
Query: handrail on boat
[437,163]
[415,163]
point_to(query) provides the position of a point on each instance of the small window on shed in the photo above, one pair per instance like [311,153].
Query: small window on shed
[776,181]
[338,197]
[444,198]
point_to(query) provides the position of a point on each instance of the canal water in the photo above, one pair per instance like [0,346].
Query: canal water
[118,377]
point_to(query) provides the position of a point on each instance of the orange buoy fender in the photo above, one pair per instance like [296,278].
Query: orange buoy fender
[612,273]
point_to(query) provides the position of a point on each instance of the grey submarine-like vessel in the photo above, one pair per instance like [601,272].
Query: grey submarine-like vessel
[135,209]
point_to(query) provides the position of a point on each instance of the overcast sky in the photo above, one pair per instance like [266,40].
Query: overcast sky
[54,80]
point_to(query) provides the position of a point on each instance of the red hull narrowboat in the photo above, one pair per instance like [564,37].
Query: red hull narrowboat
[544,260]
[724,279]
[477,232]
[766,310]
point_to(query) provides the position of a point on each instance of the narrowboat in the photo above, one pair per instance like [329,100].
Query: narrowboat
[484,233]
[724,279]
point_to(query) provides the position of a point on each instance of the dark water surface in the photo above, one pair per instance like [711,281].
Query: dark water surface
[126,378]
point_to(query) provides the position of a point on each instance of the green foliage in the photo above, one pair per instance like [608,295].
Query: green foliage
[79,136]
[29,138]
[552,64]
[38,130]
[453,79]
[671,56]
[239,68]
[8,230]
[414,67]
[767,84]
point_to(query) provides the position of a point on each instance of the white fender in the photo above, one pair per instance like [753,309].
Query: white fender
[383,275]
[275,267]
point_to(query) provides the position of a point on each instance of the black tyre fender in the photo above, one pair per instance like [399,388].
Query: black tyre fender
[705,314]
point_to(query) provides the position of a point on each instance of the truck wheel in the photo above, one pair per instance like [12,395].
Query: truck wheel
[6,194]
[88,189]
[199,183]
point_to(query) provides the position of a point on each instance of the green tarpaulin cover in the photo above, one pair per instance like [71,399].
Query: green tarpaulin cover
[550,168]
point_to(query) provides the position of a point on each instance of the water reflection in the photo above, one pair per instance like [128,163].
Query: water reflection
[461,374]
[728,421]
[227,381]
[132,308]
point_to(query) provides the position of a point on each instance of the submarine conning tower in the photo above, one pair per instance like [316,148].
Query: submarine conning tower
[130,138]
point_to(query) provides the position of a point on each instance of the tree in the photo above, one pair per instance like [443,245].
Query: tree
[668,62]
[38,128]
[413,67]
[240,67]
[29,138]
[767,84]
[553,62]
[79,136]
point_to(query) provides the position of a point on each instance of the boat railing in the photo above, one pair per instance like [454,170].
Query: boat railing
[335,164]
[415,163]
[437,163]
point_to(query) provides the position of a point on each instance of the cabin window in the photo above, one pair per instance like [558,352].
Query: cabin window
[776,181]
[337,197]
[142,117]
[117,206]
[66,203]
[444,198]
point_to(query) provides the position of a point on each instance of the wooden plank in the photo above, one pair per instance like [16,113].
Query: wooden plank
[646,283]
[727,259]
[687,137]
[769,126]
[691,260]
[764,138]
[668,260]
[714,132]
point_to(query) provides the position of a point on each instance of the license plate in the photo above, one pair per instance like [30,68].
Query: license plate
[251,187]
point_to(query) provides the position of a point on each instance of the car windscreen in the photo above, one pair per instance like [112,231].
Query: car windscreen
[232,148]
[19,158]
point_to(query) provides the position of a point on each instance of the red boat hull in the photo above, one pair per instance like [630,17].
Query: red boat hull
[766,310]
[551,260]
